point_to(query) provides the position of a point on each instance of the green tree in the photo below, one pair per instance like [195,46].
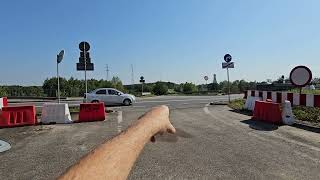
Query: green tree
[213,86]
[234,88]
[189,88]
[160,88]
[3,91]
[243,85]
[223,86]
[117,83]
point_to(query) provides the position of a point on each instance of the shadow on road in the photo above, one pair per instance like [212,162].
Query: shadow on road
[261,126]
[172,138]
[244,112]
[306,127]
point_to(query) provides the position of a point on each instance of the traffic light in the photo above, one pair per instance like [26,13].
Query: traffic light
[84,59]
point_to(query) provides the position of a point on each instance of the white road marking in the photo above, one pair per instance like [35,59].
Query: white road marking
[138,106]
[119,118]
[205,109]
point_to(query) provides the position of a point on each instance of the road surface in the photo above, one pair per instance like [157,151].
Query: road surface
[175,101]
[212,142]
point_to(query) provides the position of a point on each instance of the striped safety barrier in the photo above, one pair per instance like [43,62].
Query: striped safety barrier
[310,100]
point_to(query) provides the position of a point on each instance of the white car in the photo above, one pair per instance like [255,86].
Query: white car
[109,96]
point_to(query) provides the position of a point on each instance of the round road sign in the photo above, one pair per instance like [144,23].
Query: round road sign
[60,56]
[84,46]
[300,76]
[206,78]
[227,58]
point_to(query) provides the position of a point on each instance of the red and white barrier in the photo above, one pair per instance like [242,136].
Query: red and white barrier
[310,100]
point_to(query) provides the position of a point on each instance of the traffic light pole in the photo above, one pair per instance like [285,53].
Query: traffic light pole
[85,70]
[142,89]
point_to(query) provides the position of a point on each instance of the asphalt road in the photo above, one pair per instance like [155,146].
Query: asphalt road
[140,102]
[212,142]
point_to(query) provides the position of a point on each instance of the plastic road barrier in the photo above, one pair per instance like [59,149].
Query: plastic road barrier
[18,116]
[55,113]
[250,102]
[92,112]
[268,112]
[287,115]
[3,102]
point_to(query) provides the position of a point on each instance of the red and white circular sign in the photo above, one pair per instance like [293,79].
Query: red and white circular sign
[300,76]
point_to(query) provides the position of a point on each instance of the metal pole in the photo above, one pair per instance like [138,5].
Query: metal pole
[228,85]
[142,89]
[58,83]
[207,86]
[85,69]
[300,90]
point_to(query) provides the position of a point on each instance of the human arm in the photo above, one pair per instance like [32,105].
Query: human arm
[115,158]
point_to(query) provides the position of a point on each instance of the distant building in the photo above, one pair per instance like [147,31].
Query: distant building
[214,78]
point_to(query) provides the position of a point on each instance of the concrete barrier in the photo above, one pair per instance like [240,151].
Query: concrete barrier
[55,113]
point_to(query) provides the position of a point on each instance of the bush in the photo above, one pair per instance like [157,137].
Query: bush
[160,89]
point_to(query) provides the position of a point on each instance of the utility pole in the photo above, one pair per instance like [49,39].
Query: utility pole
[107,70]
[132,78]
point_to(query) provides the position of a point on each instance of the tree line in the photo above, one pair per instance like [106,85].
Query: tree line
[76,88]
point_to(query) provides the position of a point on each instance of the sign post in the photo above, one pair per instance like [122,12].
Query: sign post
[59,59]
[142,81]
[85,62]
[300,76]
[226,65]
[206,79]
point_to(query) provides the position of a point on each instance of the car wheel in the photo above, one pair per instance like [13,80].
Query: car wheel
[127,102]
[95,101]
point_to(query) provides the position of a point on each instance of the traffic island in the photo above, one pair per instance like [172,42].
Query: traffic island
[306,116]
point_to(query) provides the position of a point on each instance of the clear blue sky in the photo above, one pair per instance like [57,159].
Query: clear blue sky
[176,40]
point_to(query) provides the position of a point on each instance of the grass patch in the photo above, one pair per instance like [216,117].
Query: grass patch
[237,104]
[304,113]
[305,91]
